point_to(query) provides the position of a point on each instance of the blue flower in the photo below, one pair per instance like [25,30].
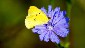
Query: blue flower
[56,26]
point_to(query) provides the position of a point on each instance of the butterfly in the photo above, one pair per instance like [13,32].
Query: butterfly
[35,17]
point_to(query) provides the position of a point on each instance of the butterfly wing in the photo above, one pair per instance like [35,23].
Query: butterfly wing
[35,17]
[28,22]
[41,18]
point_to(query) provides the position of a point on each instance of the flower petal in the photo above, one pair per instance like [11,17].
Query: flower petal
[62,21]
[54,38]
[50,14]
[65,25]
[46,38]
[44,10]
[50,11]
[41,36]
[40,27]
[39,31]
[67,19]
[35,30]
[61,31]
[58,17]
[57,9]
[49,8]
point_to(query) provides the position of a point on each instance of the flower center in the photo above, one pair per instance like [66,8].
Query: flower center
[50,28]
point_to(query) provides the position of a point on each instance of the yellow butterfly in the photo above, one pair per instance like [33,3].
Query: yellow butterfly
[35,17]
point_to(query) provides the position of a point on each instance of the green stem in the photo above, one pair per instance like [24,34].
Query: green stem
[59,46]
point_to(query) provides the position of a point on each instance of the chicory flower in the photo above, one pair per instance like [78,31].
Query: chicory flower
[57,25]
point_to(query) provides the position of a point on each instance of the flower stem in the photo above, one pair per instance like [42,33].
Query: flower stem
[59,46]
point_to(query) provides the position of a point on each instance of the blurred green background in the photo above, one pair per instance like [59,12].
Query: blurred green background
[14,34]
